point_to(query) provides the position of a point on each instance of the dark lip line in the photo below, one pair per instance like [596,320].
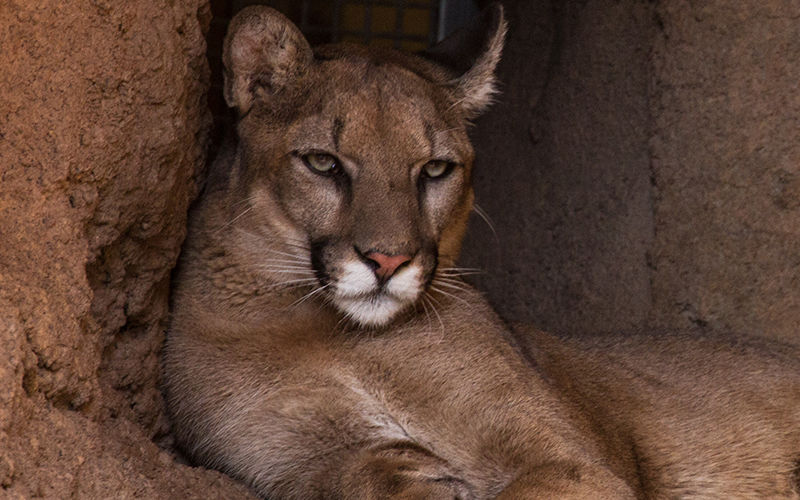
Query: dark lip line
[380,291]
[369,295]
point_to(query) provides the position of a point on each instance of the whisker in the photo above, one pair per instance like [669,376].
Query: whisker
[279,270]
[303,281]
[287,265]
[439,290]
[281,262]
[272,246]
[454,282]
[243,201]
[287,261]
[296,244]
[450,279]
[461,269]
[428,296]
[458,275]
[488,220]
[451,286]
[229,223]
[287,288]
[342,322]
[308,296]
[285,254]
[302,240]
[425,308]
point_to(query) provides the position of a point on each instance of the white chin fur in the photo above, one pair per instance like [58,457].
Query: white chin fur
[375,310]
[357,293]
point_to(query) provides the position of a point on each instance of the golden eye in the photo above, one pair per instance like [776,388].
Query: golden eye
[437,168]
[320,162]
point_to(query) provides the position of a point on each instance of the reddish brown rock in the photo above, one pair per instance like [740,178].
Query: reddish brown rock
[103,127]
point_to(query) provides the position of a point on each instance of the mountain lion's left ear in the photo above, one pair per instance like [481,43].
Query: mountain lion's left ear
[474,52]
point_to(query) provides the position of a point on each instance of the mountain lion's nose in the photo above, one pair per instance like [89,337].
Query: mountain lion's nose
[387,264]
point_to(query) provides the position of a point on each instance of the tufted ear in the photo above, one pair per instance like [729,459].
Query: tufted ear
[262,54]
[473,52]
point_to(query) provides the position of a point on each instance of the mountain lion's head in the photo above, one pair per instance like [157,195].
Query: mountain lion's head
[353,163]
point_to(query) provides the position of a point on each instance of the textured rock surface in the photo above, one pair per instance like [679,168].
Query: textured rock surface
[563,168]
[726,164]
[102,132]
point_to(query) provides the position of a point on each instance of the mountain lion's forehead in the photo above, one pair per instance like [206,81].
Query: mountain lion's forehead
[360,103]
[359,126]
[376,111]
[362,81]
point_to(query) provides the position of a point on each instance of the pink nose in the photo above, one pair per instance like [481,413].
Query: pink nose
[387,264]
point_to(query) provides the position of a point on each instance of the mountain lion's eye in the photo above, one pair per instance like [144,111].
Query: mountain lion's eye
[437,168]
[321,163]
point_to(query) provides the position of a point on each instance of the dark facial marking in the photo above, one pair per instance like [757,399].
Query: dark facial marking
[430,135]
[336,131]
[434,251]
[317,262]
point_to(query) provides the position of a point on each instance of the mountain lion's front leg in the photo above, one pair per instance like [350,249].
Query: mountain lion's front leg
[400,470]
[568,482]
[326,440]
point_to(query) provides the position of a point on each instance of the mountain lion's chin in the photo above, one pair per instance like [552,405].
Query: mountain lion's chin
[372,310]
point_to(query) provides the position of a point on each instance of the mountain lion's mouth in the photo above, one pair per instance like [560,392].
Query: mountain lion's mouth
[360,296]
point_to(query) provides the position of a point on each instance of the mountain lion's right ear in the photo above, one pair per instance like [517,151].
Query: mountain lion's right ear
[473,52]
[263,52]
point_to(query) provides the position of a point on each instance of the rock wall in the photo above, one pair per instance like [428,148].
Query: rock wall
[103,125]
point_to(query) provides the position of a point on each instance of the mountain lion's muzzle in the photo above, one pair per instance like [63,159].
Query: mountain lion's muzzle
[372,286]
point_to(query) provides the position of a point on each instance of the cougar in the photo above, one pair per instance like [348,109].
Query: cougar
[323,343]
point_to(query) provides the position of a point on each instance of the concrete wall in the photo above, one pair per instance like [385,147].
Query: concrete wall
[563,168]
[725,148]
[643,167]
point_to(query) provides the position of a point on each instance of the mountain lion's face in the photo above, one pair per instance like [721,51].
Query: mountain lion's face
[371,176]
[356,165]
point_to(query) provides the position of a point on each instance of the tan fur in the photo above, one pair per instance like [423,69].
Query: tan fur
[270,379]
